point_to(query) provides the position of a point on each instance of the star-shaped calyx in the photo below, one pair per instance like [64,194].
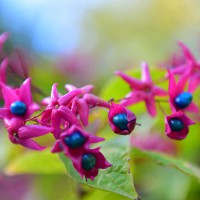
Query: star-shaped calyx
[142,90]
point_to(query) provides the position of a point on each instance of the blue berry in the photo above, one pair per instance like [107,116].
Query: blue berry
[176,124]
[18,108]
[120,120]
[183,100]
[75,140]
[88,161]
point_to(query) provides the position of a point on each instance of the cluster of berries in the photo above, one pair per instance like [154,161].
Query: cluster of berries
[180,93]
[66,116]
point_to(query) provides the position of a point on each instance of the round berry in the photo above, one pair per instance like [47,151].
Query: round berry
[88,161]
[176,124]
[75,140]
[18,108]
[120,120]
[183,100]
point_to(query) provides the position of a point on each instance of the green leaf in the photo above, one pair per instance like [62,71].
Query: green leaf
[168,161]
[34,162]
[116,179]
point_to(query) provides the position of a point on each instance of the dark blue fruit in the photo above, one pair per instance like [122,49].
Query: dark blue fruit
[183,100]
[176,124]
[18,108]
[88,161]
[75,140]
[120,120]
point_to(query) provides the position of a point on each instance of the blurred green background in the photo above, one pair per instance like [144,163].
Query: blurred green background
[84,42]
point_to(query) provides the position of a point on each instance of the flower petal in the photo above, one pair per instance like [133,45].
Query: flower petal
[25,92]
[151,106]
[95,101]
[31,144]
[83,111]
[3,67]
[32,131]
[146,74]
[65,99]
[54,92]
[134,83]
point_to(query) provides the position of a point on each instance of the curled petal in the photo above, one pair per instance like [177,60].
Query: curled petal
[56,122]
[68,115]
[31,144]
[83,111]
[65,99]
[95,101]
[70,87]
[32,131]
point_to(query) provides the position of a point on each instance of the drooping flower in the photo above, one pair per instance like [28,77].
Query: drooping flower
[81,105]
[142,90]
[74,141]
[89,163]
[177,125]
[121,120]
[179,97]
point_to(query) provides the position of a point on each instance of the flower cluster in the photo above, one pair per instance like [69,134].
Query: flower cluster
[63,116]
[180,93]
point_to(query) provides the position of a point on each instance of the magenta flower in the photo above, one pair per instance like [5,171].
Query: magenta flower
[57,112]
[191,65]
[81,105]
[142,90]
[22,134]
[121,120]
[178,98]
[74,141]
[18,102]
[90,162]
[177,125]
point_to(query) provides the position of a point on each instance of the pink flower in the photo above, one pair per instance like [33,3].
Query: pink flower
[81,105]
[178,98]
[191,65]
[74,141]
[18,102]
[22,134]
[90,162]
[177,125]
[142,90]
[121,120]
[57,112]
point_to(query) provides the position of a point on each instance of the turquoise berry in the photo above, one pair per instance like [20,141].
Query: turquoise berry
[18,108]
[75,140]
[183,100]
[88,161]
[120,120]
[176,124]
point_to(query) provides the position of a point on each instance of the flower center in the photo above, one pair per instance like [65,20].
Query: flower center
[75,140]
[18,108]
[176,124]
[183,100]
[88,161]
[120,120]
